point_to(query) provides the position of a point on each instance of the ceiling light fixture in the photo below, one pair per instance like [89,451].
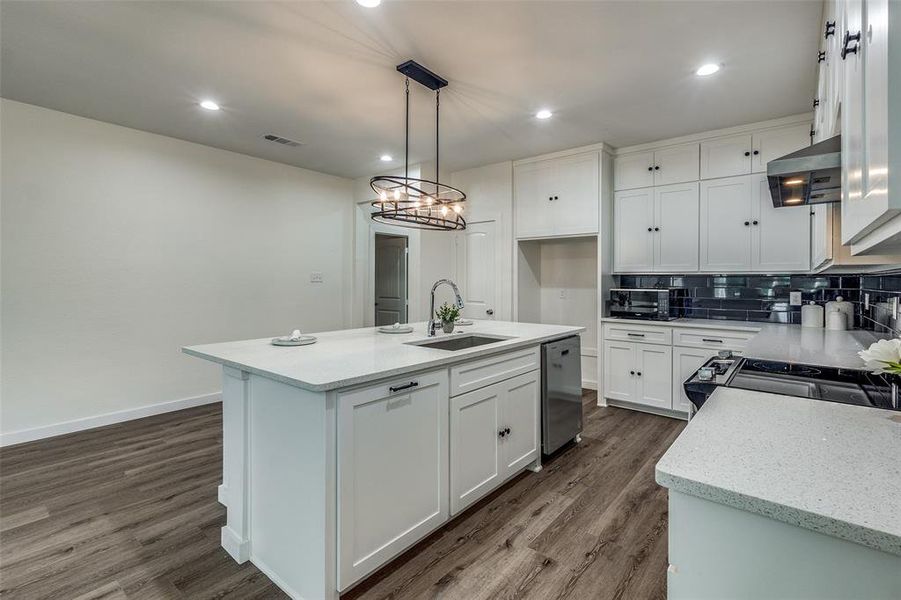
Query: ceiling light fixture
[409,201]
[793,200]
[369,3]
[209,105]
[544,114]
[708,69]
[385,158]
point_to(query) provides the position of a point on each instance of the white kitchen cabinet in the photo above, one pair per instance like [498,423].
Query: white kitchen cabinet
[725,234]
[820,235]
[780,237]
[686,361]
[390,494]
[770,144]
[857,215]
[742,232]
[494,434]
[672,164]
[638,373]
[656,229]
[633,230]
[557,196]
[726,156]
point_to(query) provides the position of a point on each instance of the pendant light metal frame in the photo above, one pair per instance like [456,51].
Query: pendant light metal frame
[409,201]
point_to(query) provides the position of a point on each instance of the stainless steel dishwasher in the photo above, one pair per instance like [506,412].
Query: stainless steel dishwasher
[561,393]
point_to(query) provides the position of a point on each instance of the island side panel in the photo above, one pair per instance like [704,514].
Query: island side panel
[233,491]
[292,435]
[717,551]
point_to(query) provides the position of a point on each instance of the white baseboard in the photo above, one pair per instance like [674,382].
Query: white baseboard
[39,433]
[589,385]
[237,548]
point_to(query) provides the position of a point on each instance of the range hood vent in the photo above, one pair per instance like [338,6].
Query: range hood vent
[812,175]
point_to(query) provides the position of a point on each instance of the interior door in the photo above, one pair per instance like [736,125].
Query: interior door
[725,235]
[633,218]
[477,257]
[676,228]
[780,237]
[390,279]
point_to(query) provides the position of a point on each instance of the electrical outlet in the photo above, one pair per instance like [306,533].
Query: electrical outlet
[794,298]
[316,277]
[563,294]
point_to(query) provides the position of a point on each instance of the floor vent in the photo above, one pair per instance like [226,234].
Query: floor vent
[280,140]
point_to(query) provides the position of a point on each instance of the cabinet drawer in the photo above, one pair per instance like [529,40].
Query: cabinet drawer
[714,339]
[649,334]
[479,373]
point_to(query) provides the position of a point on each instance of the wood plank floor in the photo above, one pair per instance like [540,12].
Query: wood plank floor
[130,512]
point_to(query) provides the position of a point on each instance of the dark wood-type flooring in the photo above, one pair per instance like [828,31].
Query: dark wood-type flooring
[130,512]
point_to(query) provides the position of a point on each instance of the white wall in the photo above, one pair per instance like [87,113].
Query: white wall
[120,246]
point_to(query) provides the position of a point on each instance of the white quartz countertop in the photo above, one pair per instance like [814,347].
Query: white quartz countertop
[828,467]
[353,356]
[787,343]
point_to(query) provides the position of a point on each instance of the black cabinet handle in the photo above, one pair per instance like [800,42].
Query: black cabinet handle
[507,431]
[650,168]
[656,229]
[556,197]
[638,373]
[816,102]
[564,352]
[656,167]
[830,29]
[821,56]
[755,222]
[748,153]
[747,223]
[631,372]
[635,334]
[649,229]
[756,152]
[501,433]
[398,388]
[848,39]
[711,340]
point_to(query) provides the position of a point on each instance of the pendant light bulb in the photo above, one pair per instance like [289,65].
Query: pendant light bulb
[397,194]
[458,209]
[383,196]
[444,211]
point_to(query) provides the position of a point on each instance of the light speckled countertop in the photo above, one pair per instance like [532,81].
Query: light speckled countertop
[828,467]
[353,356]
[787,343]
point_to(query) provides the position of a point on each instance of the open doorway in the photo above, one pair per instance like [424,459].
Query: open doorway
[390,278]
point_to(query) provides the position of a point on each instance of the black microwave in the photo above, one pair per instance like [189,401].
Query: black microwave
[651,304]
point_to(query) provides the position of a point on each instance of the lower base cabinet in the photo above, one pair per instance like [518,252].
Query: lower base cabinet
[686,361]
[494,433]
[390,494]
[638,373]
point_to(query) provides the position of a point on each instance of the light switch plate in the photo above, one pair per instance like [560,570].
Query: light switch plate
[316,277]
[794,298]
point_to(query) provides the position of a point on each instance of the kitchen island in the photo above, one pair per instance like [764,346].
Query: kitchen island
[775,496]
[340,455]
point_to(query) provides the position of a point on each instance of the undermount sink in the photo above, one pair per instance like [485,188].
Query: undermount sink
[459,342]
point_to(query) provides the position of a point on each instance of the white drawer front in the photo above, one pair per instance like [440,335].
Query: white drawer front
[479,373]
[648,334]
[714,339]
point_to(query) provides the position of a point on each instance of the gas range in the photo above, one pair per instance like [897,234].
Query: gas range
[830,384]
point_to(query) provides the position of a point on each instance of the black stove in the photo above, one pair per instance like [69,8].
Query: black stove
[830,384]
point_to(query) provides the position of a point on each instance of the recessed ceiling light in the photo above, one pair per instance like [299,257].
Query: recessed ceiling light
[385,158]
[708,69]
[369,3]
[544,114]
[209,105]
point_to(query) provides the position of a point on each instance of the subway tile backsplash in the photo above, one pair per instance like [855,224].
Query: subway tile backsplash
[766,297]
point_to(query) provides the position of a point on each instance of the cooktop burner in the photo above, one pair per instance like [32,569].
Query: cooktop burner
[782,368]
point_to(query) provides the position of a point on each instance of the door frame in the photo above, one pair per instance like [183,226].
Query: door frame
[406,239]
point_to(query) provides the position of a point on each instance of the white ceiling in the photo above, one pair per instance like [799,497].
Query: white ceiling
[323,72]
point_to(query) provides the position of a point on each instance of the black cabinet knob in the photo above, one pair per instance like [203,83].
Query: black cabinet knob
[747,223]
[649,229]
[501,433]
[507,431]
[650,168]
[657,167]
[656,229]
[556,197]
[631,372]
[754,222]
[638,373]
[748,153]
[756,152]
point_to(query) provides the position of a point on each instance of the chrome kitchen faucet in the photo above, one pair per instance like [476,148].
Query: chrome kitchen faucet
[430,330]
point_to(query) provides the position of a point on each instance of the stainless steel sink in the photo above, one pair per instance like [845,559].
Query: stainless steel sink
[459,342]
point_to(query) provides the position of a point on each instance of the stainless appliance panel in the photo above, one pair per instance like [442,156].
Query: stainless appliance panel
[561,393]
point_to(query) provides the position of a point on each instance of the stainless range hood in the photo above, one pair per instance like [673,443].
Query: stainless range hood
[812,175]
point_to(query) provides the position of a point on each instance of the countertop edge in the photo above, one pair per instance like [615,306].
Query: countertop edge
[714,324]
[852,532]
[358,380]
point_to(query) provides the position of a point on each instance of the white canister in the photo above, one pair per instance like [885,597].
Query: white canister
[812,315]
[836,320]
[842,305]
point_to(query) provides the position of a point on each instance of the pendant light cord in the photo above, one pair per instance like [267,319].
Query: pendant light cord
[407,133]
[437,138]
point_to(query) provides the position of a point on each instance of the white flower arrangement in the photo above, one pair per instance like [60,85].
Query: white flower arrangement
[883,356]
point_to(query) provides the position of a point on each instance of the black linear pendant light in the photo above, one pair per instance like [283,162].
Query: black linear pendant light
[411,202]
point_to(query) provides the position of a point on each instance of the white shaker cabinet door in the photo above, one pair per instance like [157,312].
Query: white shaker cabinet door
[686,361]
[773,143]
[619,371]
[392,470]
[632,171]
[780,237]
[474,445]
[856,215]
[820,235]
[726,156]
[520,402]
[676,164]
[532,184]
[725,236]
[633,230]
[654,374]
[576,194]
[676,228]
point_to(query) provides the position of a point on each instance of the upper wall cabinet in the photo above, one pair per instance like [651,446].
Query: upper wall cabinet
[557,197]
[674,164]
[749,153]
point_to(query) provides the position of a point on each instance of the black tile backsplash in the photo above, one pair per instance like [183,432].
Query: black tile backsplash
[766,297]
